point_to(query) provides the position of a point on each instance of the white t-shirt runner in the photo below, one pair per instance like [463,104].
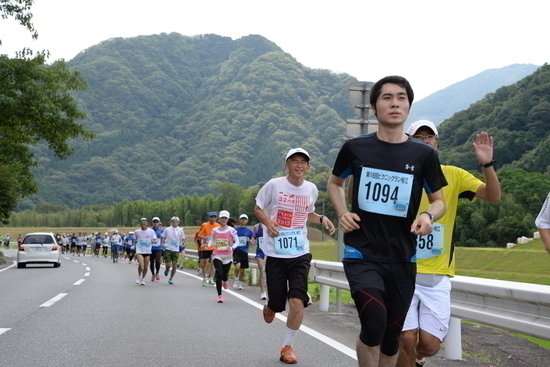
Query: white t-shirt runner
[173,238]
[289,207]
[144,240]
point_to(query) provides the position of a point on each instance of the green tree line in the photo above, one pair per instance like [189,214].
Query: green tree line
[479,224]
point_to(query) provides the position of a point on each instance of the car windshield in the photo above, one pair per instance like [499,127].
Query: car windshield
[36,239]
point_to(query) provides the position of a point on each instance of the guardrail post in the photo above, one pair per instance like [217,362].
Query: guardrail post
[254,273]
[324,297]
[453,340]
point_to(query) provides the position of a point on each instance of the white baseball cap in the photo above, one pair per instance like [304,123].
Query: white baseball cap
[224,214]
[293,151]
[421,123]
[155,218]
[243,216]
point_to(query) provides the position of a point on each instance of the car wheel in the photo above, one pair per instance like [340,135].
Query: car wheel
[21,265]
[56,265]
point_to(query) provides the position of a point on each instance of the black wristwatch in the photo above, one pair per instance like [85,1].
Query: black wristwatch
[429,215]
[487,165]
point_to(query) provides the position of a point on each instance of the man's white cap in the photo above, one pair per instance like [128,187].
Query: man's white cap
[224,214]
[420,123]
[243,216]
[175,219]
[155,218]
[291,152]
[116,231]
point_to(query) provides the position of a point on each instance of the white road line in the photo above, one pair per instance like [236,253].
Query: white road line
[87,274]
[53,300]
[6,268]
[87,268]
[79,282]
[317,335]
[76,261]
[85,265]
[3,330]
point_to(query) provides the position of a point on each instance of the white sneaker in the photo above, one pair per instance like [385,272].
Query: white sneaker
[240,286]
[236,284]
[264,295]
[138,280]
[142,282]
[420,362]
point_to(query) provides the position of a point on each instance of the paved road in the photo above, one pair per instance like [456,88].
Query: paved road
[105,319]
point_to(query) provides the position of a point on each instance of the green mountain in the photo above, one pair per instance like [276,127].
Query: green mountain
[518,116]
[442,104]
[176,115]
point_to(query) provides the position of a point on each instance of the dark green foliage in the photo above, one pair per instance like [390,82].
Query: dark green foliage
[36,107]
[178,115]
[516,115]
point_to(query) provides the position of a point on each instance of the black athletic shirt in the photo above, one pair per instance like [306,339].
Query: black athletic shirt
[391,178]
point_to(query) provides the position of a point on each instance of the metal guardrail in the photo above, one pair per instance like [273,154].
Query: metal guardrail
[513,306]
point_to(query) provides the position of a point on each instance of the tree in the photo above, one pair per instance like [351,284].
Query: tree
[21,11]
[36,106]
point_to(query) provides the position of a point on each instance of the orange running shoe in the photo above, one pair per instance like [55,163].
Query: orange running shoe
[269,315]
[287,355]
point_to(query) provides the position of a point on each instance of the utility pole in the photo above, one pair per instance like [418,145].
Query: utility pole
[358,95]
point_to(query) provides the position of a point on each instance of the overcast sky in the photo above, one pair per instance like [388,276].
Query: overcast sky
[432,43]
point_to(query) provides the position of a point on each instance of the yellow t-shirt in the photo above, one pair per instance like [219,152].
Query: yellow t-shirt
[461,184]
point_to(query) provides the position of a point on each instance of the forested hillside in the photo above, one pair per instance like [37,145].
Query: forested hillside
[177,115]
[518,116]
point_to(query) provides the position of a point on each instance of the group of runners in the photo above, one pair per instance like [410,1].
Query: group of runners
[223,241]
[398,222]
[396,205]
[114,245]
[6,239]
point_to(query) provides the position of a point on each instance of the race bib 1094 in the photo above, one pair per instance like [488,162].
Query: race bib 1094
[384,192]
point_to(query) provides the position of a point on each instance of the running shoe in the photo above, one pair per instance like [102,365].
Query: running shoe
[211,281]
[420,362]
[170,281]
[287,355]
[166,272]
[158,277]
[138,280]
[240,286]
[264,295]
[204,282]
[220,299]
[236,284]
[153,278]
[269,315]
[142,282]
[225,285]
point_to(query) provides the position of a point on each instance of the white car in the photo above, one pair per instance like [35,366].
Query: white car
[38,248]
